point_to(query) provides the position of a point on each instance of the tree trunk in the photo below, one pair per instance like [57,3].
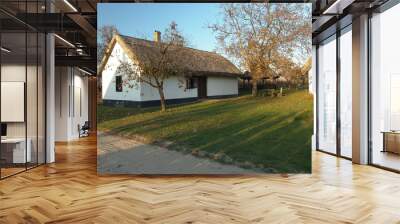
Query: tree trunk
[254,88]
[162,98]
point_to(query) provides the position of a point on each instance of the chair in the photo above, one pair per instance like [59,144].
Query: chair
[84,130]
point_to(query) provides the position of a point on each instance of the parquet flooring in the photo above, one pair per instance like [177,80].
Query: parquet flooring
[69,191]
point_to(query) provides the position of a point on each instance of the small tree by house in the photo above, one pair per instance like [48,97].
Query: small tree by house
[164,60]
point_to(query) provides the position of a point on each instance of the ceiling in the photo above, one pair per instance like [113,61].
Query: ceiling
[331,15]
[75,22]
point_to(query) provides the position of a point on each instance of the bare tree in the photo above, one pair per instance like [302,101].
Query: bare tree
[104,34]
[259,35]
[157,63]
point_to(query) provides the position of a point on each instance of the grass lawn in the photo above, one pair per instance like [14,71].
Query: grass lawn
[267,132]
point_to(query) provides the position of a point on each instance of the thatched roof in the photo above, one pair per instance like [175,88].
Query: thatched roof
[196,62]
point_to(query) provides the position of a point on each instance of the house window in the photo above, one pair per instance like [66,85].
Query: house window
[118,83]
[191,83]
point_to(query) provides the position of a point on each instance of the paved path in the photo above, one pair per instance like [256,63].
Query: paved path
[121,155]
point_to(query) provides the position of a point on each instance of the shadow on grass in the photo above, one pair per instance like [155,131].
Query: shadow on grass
[270,133]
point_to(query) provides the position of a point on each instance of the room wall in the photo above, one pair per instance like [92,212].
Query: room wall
[62,113]
[219,86]
[16,73]
[13,73]
[70,83]
[79,117]
[25,63]
[33,127]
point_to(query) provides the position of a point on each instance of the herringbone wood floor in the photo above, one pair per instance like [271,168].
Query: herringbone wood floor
[70,191]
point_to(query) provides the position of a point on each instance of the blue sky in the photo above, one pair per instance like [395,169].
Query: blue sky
[140,20]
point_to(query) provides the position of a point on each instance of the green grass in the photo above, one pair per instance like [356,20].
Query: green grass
[272,132]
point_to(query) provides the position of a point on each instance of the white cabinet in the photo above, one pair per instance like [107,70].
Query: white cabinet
[19,154]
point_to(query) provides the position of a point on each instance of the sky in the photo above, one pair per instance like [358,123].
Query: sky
[141,20]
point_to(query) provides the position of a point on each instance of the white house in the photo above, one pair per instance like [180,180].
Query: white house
[210,75]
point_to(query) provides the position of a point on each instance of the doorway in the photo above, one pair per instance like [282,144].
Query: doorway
[202,87]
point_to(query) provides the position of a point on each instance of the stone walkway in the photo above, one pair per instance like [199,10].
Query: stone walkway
[121,155]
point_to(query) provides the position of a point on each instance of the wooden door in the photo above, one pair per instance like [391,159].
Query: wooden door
[202,87]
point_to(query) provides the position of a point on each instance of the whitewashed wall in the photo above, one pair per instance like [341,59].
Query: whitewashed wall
[108,78]
[174,88]
[220,86]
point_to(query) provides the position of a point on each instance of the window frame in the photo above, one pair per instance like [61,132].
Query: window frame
[191,83]
[118,84]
